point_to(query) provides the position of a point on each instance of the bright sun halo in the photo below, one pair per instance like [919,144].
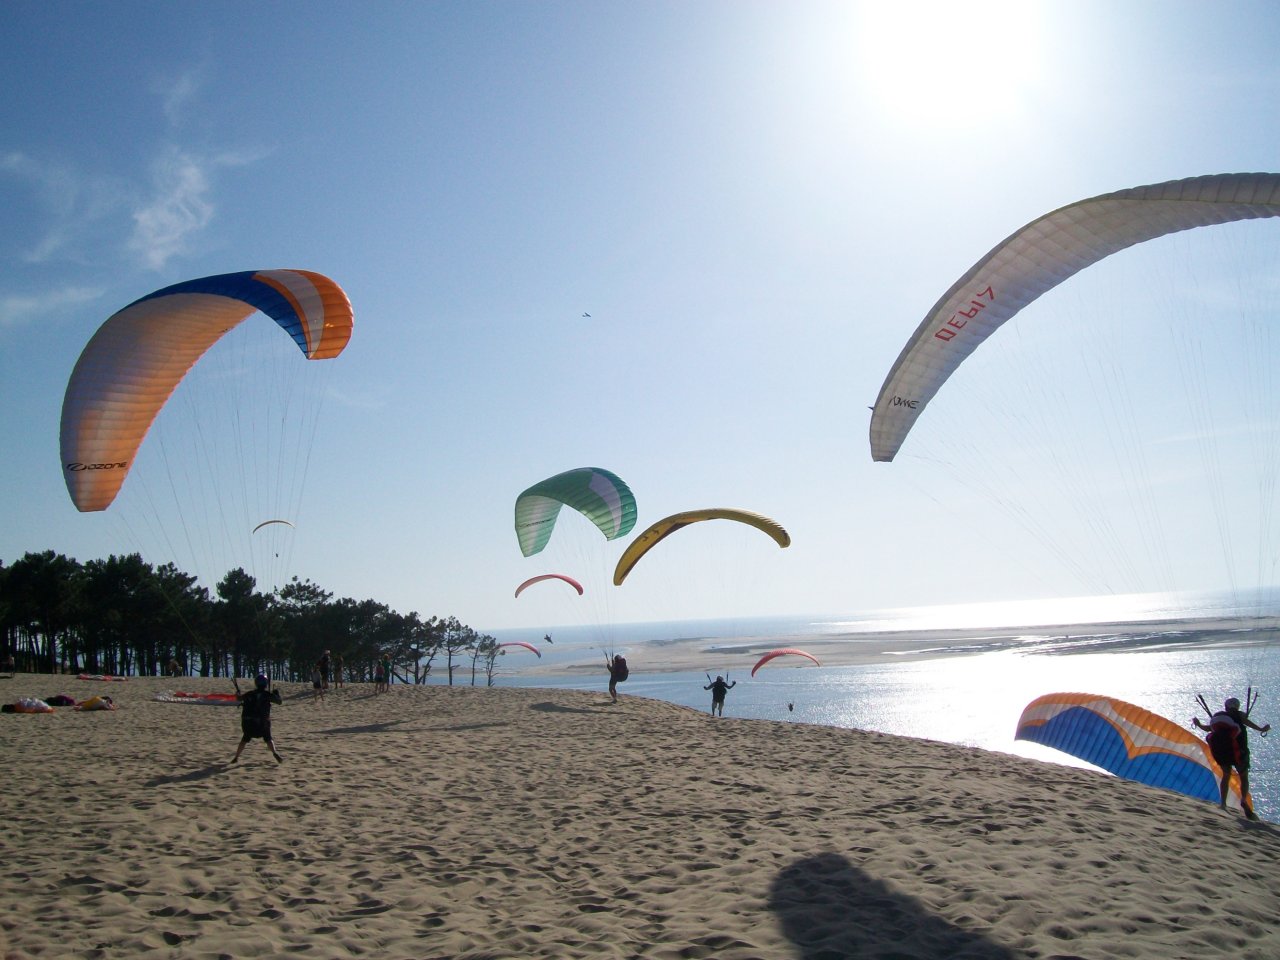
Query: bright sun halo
[948,64]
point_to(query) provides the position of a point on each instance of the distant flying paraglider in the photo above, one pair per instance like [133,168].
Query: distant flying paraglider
[785,652]
[549,576]
[521,643]
[599,495]
[678,521]
[140,354]
[1126,740]
[267,523]
[1036,259]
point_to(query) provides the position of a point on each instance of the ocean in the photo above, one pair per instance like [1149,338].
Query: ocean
[972,688]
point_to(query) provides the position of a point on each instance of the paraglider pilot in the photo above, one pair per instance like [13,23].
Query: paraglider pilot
[1229,743]
[255,715]
[719,688]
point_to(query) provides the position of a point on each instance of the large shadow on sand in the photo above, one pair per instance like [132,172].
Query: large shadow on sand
[831,909]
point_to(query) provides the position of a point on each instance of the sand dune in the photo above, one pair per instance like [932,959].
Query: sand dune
[478,823]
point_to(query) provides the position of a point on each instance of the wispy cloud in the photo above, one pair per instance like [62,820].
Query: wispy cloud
[176,93]
[178,206]
[15,310]
[73,202]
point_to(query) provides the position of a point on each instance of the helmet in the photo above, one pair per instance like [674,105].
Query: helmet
[261,681]
[1232,704]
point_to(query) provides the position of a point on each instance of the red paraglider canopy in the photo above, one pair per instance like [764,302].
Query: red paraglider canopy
[550,576]
[521,643]
[781,653]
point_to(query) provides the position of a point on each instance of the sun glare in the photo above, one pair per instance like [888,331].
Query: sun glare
[950,65]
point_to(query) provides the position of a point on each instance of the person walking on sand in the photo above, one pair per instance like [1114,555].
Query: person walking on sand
[719,687]
[317,683]
[1229,743]
[618,672]
[255,715]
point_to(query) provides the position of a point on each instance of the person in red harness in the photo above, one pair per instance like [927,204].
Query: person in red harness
[1229,743]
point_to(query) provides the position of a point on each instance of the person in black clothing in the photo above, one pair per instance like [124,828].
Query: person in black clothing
[1229,744]
[255,715]
[618,672]
[719,688]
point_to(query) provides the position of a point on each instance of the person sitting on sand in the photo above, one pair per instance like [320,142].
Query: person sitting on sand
[1229,744]
[719,688]
[255,715]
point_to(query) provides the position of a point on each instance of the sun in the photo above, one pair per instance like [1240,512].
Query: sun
[949,65]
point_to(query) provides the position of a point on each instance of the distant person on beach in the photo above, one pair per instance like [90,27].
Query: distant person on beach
[317,682]
[337,670]
[175,668]
[379,677]
[255,715]
[323,664]
[719,688]
[384,665]
[1229,743]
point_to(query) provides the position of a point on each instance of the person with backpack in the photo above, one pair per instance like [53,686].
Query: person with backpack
[719,687]
[618,672]
[255,715]
[1229,743]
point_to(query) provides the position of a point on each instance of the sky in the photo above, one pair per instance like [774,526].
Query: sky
[681,241]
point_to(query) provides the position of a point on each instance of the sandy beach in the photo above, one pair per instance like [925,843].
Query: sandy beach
[504,823]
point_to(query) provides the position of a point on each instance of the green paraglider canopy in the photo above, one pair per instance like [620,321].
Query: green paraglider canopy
[599,495]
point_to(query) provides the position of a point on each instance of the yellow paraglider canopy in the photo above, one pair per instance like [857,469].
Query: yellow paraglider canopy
[678,521]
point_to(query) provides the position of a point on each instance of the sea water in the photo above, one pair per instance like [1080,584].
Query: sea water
[973,690]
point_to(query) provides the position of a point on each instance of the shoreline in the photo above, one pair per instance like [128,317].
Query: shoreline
[688,654]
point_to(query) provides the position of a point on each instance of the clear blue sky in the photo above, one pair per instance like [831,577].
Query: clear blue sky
[755,202]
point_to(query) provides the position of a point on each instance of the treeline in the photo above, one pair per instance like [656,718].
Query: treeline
[123,616]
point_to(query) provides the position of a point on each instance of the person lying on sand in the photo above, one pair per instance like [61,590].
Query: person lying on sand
[255,715]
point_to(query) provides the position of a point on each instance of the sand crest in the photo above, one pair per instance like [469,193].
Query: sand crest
[486,823]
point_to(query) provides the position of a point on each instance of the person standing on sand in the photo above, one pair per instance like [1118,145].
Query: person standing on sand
[719,688]
[255,715]
[1229,743]
[323,664]
[618,671]
[317,682]
[337,670]
[385,666]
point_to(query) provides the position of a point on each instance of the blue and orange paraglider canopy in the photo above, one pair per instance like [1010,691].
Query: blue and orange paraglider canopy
[1126,740]
[140,354]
